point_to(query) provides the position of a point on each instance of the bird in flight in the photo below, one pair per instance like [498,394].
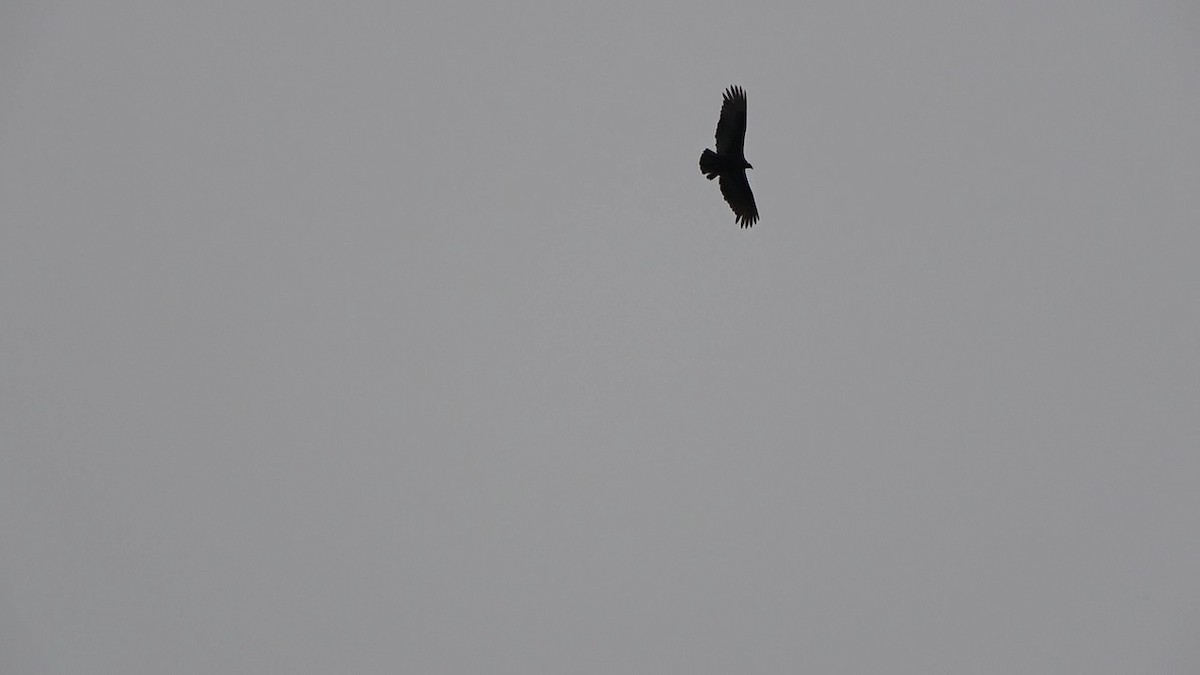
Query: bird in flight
[729,163]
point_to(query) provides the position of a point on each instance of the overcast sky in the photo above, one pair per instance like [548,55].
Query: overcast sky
[407,337]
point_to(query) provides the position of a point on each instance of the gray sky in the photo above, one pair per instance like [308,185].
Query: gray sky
[407,337]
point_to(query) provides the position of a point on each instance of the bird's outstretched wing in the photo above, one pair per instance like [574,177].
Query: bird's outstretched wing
[731,127]
[736,190]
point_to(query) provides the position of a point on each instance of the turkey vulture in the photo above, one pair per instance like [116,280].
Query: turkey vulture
[729,162]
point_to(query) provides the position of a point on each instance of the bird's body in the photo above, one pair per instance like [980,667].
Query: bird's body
[728,163]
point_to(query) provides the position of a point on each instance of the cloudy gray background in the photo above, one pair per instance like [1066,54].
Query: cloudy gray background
[407,337]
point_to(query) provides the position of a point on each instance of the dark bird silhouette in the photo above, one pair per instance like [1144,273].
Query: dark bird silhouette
[729,161]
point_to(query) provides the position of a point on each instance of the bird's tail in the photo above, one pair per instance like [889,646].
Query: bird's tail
[710,164]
